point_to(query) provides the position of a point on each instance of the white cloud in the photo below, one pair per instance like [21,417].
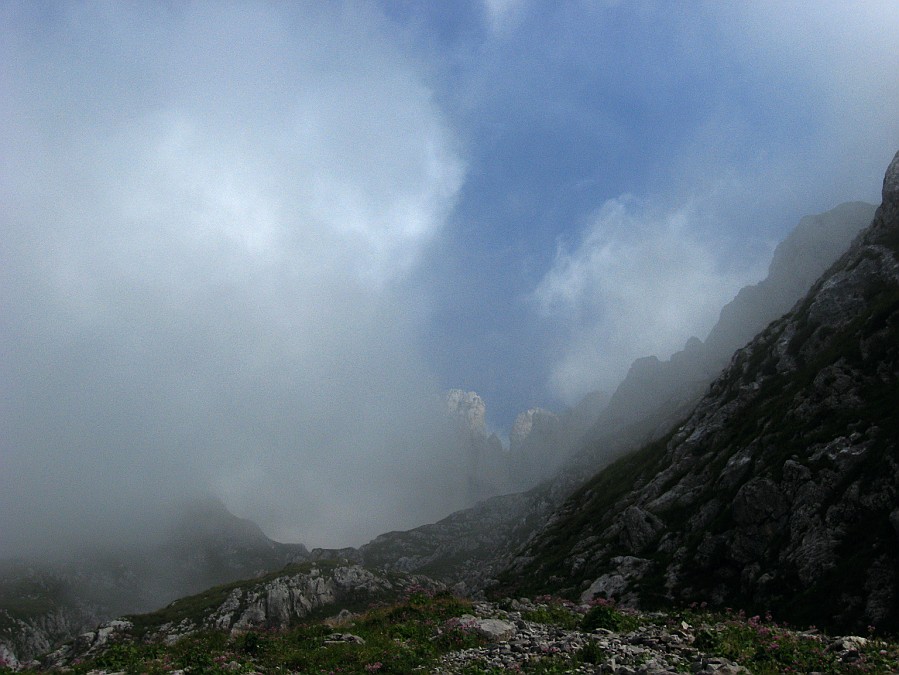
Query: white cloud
[839,59]
[503,14]
[639,282]
[648,273]
[211,217]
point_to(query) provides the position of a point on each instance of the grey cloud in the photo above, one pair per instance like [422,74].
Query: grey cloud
[209,227]
[639,282]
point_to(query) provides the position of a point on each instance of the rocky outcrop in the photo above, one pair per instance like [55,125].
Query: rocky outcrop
[274,602]
[468,548]
[779,490]
[468,408]
[525,424]
[654,646]
[542,635]
[24,638]
[890,190]
[91,643]
[475,466]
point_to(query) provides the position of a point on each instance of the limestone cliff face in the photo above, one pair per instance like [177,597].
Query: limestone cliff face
[468,409]
[779,491]
[477,465]
[24,637]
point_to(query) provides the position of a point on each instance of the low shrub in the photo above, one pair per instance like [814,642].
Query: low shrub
[604,615]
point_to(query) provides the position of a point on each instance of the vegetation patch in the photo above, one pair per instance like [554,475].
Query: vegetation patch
[554,611]
[394,639]
[604,615]
[413,635]
[768,648]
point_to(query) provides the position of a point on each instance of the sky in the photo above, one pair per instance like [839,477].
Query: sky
[245,245]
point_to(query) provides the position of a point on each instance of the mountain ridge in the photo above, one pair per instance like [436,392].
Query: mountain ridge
[664,391]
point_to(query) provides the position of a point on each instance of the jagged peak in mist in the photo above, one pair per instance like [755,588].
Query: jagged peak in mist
[467,407]
[526,421]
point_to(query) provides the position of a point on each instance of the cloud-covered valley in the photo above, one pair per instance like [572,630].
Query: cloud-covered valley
[244,247]
[210,219]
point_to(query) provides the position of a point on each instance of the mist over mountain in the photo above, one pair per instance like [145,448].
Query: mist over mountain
[245,248]
[45,601]
[474,545]
[288,275]
[202,544]
[655,394]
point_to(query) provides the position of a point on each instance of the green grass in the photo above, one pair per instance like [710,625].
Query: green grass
[604,615]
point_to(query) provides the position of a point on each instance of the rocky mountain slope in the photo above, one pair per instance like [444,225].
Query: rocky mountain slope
[779,490]
[396,623]
[473,544]
[275,601]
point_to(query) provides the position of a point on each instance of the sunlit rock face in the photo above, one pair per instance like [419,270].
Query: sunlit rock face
[468,408]
[529,421]
[778,491]
[540,441]
[481,465]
